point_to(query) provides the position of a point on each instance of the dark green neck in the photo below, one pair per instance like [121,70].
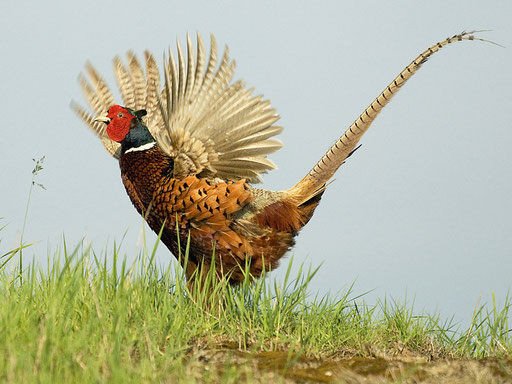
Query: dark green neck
[138,136]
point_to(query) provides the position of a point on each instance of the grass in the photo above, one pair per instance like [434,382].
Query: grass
[93,318]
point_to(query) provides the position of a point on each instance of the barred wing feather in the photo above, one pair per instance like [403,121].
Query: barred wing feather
[209,125]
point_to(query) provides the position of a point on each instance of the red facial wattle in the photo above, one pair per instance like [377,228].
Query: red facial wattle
[119,125]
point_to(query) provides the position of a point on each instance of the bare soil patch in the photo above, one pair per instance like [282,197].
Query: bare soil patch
[407,367]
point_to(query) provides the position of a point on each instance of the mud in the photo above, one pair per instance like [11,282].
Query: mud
[288,367]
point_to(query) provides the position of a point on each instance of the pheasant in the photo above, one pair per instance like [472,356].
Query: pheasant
[190,152]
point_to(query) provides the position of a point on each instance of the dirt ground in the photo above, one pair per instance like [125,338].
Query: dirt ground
[377,368]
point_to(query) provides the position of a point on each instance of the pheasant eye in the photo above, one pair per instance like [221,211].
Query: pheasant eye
[120,114]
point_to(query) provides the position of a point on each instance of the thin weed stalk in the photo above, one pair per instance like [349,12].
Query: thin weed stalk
[37,168]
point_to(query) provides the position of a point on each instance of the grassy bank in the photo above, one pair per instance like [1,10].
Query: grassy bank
[93,318]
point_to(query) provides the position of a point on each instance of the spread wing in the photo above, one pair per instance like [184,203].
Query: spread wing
[209,125]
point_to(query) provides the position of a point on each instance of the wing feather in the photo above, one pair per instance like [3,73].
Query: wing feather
[138,80]
[200,65]
[102,91]
[92,97]
[210,126]
[152,85]
[190,68]
[124,83]
[181,73]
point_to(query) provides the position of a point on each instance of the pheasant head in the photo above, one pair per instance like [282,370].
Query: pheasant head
[125,126]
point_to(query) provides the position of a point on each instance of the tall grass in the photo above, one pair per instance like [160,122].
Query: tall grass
[89,317]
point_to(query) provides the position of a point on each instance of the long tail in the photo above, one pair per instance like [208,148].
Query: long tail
[315,181]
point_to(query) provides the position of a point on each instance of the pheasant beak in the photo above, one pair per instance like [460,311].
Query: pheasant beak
[102,118]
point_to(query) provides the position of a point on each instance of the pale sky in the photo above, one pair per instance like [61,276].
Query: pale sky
[423,209]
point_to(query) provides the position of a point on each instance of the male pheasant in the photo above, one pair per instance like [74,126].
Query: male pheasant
[188,153]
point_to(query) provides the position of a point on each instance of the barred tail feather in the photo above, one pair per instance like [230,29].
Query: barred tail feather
[315,181]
